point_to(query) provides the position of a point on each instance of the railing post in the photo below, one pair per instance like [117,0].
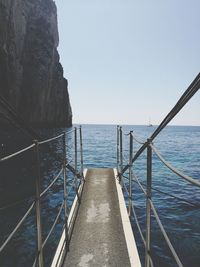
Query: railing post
[117,148]
[75,156]
[38,206]
[148,205]
[81,149]
[65,192]
[121,153]
[130,173]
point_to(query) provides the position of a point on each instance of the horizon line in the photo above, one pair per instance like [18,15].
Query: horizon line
[128,124]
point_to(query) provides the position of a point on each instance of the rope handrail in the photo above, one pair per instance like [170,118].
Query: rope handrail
[175,197]
[165,235]
[71,183]
[126,189]
[71,131]
[138,224]
[17,202]
[35,260]
[138,140]
[72,169]
[72,186]
[52,183]
[137,154]
[68,147]
[170,195]
[122,130]
[51,139]
[125,157]
[41,194]
[168,165]
[17,227]
[188,94]
[125,134]
[134,136]
[66,164]
[136,180]
[140,231]
[53,225]
[140,184]
[192,89]
[17,153]
[24,126]
[160,225]
[29,147]
[69,161]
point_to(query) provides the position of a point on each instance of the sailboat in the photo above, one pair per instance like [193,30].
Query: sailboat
[149,125]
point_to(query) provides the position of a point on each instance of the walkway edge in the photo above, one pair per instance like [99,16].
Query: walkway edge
[128,233]
[60,251]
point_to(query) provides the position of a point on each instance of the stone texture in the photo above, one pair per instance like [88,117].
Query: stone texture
[31,76]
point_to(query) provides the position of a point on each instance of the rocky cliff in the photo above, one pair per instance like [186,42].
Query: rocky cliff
[31,77]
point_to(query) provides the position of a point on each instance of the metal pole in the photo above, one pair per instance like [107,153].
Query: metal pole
[38,206]
[65,193]
[75,156]
[121,153]
[148,206]
[117,148]
[81,149]
[130,173]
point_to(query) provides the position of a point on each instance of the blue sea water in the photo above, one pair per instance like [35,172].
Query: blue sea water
[180,145]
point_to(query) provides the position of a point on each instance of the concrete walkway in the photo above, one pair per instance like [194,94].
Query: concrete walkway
[98,237]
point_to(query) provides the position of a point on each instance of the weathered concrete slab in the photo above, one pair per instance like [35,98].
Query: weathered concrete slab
[98,238]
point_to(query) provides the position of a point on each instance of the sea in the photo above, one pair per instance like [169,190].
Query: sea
[180,216]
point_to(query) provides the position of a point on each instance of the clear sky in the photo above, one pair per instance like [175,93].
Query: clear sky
[130,60]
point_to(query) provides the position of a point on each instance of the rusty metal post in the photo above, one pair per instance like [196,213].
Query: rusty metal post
[118,149]
[65,193]
[121,154]
[75,157]
[38,206]
[81,149]
[148,205]
[130,173]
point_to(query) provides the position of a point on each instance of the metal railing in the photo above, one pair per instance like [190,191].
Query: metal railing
[147,191]
[76,181]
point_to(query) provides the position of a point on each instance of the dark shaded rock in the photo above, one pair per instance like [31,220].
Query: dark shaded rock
[31,77]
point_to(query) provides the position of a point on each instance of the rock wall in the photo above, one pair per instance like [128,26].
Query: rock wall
[31,77]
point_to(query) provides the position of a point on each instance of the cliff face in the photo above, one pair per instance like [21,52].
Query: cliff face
[31,77]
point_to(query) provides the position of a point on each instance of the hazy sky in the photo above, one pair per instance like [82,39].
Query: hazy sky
[129,60]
